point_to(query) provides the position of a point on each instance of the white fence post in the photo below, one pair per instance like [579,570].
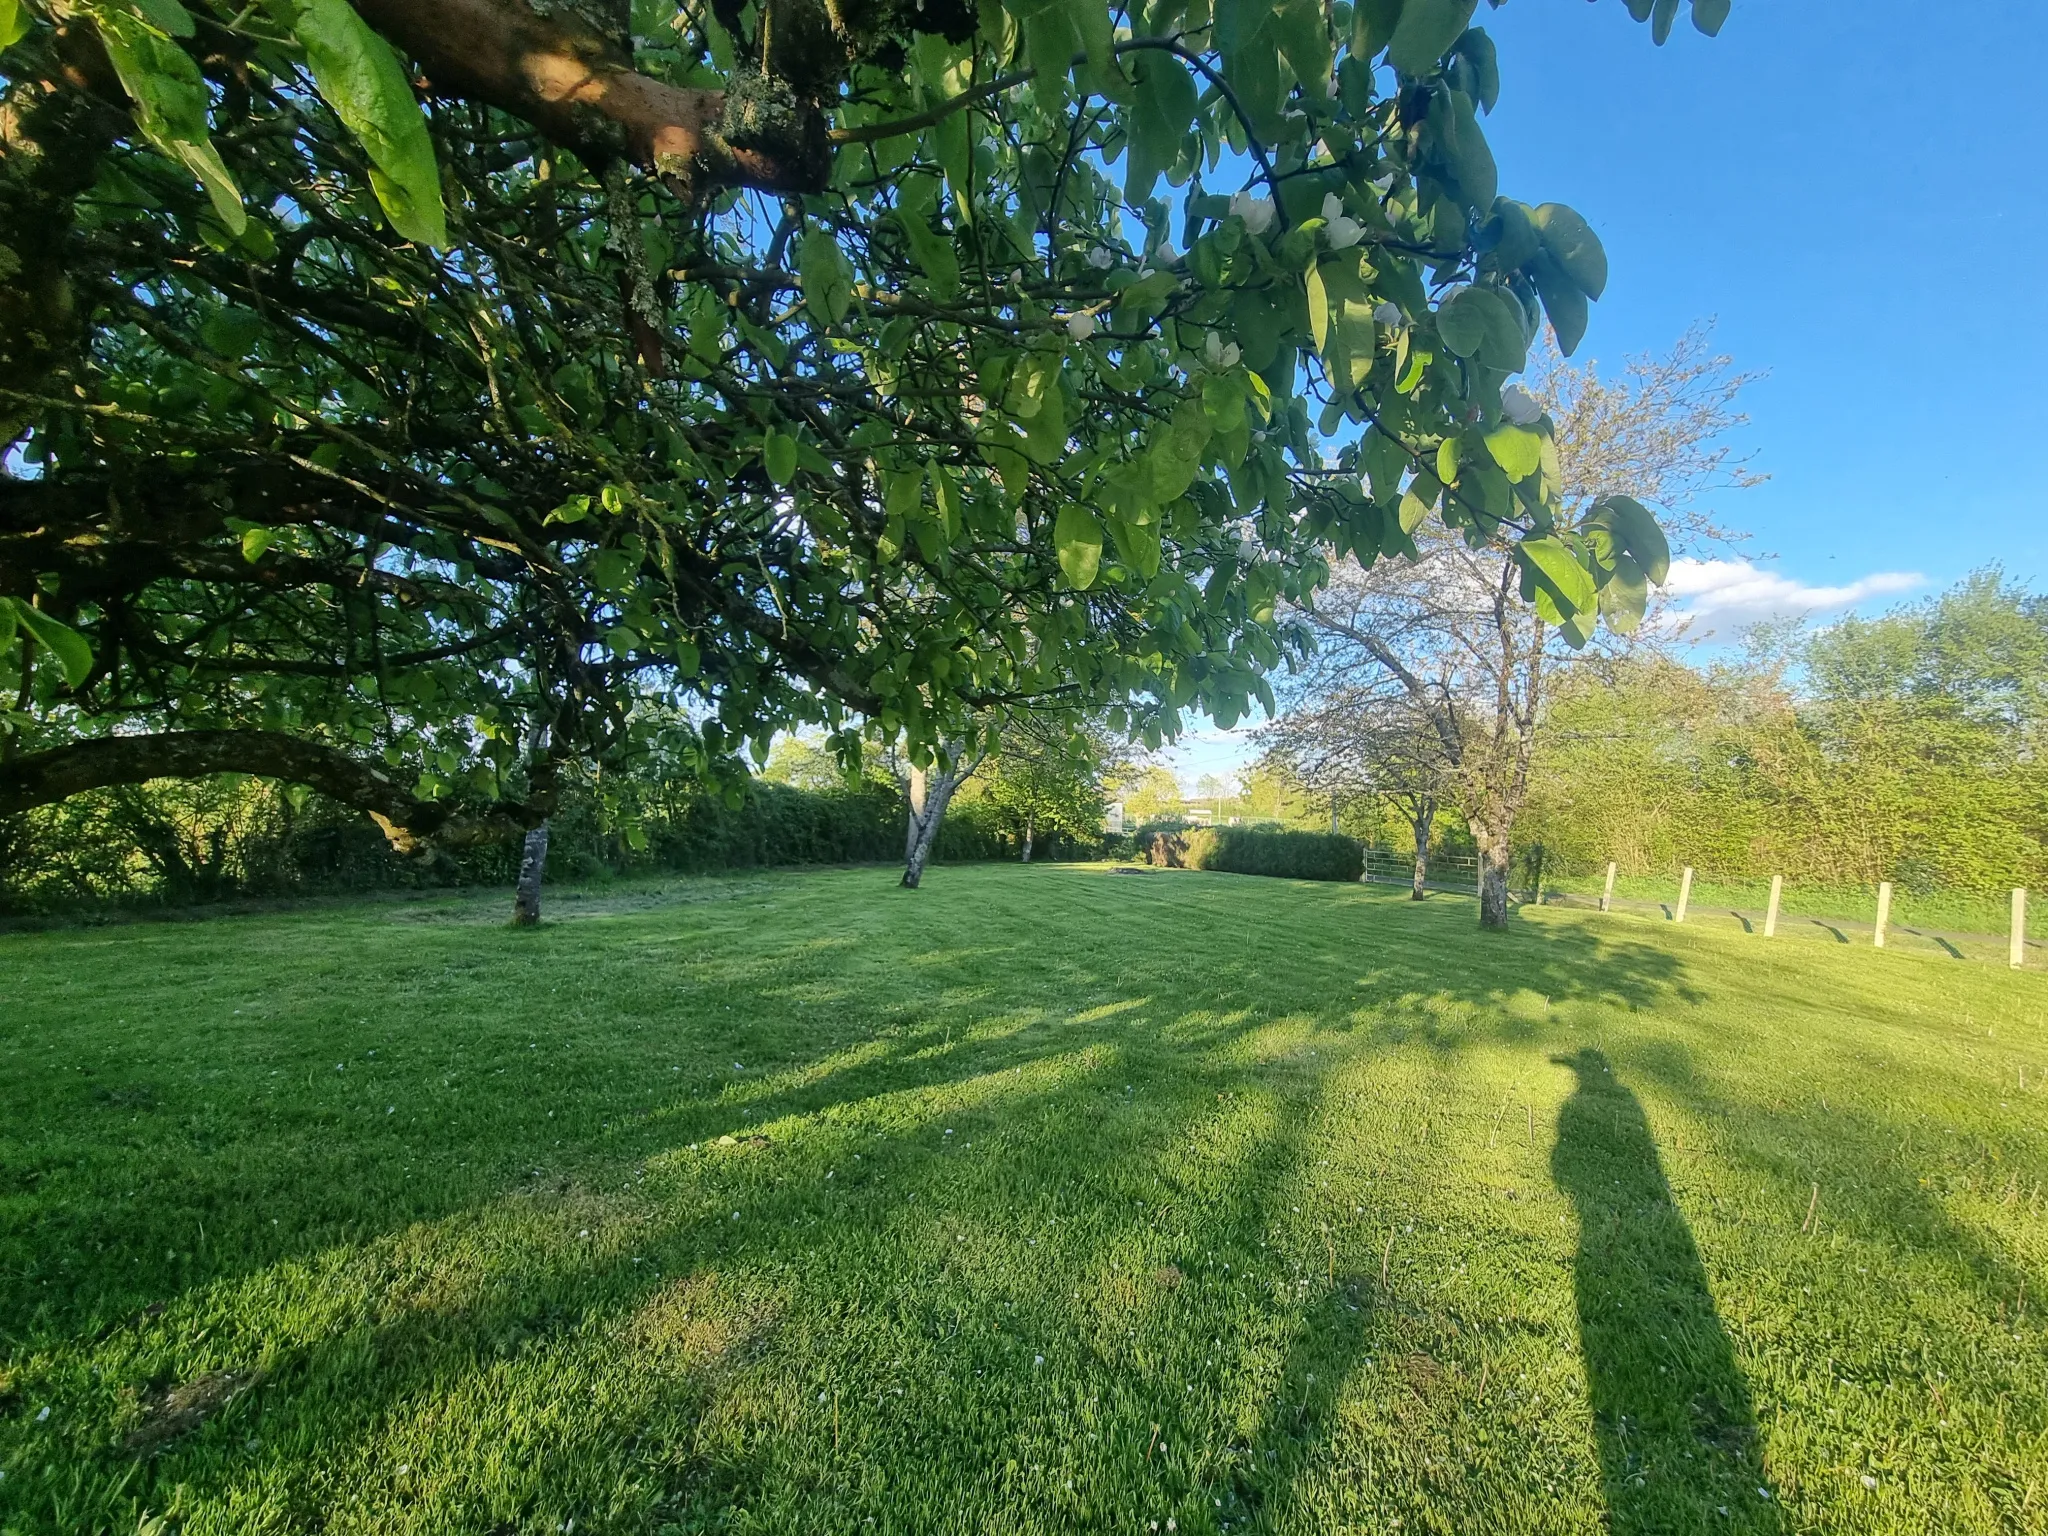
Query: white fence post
[1771,913]
[1884,912]
[2016,951]
[1607,896]
[1684,895]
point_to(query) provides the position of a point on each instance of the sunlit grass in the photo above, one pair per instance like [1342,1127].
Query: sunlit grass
[1040,1200]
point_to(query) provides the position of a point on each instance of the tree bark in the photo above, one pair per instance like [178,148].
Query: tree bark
[42,778]
[1425,815]
[1028,825]
[1493,874]
[533,863]
[574,84]
[930,794]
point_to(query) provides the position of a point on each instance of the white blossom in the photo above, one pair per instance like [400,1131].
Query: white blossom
[1519,406]
[1388,313]
[1343,230]
[1166,255]
[1081,325]
[1218,353]
[1257,212]
[1101,258]
[1384,184]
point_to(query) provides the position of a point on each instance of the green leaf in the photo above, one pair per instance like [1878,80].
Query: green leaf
[1447,461]
[1559,576]
[1372,26]
[13,28]
[74,656]
[1484,324]
[1077,537]
[1302,32]
[1708,15]
[1318,310]
[826,279]
[1477,49]
[7,624]
[1471,158]
[1159,119]
[255,541]
[170,105]
[1625,597]
[778,456]
[361,77]
[1573,246]
[1223,402]
[931,250]
[1462,323]
[1511,236]
[231,331]
[1425,32]
[1562,301]
[1636,531]
[903,495]
[167,16]
[1517,450]
[1662,15]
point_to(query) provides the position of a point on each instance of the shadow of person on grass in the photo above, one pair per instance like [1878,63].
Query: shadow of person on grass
[1677,1435]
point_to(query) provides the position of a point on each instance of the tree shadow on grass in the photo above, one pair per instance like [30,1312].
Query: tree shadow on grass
[1671,1410]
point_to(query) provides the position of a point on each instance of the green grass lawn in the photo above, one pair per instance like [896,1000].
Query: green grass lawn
[1043,1199]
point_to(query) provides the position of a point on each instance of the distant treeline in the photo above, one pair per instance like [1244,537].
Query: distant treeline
[177,842]
[1911,748]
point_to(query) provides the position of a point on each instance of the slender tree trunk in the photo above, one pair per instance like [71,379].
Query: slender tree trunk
[1029,825]
[1425,814]
[929,796]
[533,863]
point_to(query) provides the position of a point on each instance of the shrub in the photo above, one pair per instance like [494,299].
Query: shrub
[1289,855]
[1164,850]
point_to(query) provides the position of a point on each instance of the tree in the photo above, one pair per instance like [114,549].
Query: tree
[495,373]
[1458,640]
[1047,776]
[1150,793]
[1365,740]
[1902,748]
[931,791]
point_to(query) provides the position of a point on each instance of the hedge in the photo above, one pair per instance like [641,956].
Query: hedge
[1289,855]
[181,843]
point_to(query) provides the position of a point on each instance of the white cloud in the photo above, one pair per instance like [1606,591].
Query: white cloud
[1719,596]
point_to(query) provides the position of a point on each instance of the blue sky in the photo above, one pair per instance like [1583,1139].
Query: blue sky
[1856,192]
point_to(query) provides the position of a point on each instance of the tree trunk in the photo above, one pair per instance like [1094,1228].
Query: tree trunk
[1425,814]
[929,796]
[533,863]
[1493,875]
[1029,824]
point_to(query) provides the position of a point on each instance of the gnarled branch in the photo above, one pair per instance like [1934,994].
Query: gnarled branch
[411,824]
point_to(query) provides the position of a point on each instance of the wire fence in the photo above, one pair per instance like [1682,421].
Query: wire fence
[2009,926]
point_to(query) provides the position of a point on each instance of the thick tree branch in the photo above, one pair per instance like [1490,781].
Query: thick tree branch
[572,83]
[42,778]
